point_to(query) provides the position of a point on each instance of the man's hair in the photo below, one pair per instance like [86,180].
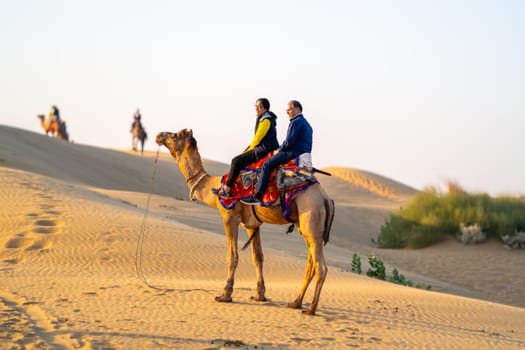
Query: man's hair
[297,104]
[265,103]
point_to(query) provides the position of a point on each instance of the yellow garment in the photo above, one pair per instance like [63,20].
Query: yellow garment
[51,118]
[262,129]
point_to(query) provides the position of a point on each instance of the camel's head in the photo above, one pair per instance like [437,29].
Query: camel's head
[176,142]
[40,116]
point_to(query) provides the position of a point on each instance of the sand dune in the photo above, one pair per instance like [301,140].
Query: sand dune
[373,183]
[70,217]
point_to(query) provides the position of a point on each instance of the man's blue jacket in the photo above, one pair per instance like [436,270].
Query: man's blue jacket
[299,137]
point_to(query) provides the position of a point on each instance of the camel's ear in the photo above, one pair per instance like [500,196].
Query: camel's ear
[190,132]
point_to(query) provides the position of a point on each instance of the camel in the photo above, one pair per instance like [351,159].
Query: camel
[54,126]
[138,133]
[312,214]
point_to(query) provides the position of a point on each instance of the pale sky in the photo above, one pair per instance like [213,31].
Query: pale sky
[418,91]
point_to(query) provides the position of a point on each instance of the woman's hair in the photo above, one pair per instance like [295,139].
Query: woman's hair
[265,103]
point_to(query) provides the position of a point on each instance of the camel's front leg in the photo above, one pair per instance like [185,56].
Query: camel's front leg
[231,229]
[257,260]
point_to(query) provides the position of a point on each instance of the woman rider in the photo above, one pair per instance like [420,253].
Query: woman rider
[264,141]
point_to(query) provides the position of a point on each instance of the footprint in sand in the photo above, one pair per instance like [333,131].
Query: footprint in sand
[37,238]
[15,257]
[13,252]
[47,226]
[32,240]
[45,196]
[19,242]
[46,206]
[41,245]
[15,247]
[25,325]
[107,249]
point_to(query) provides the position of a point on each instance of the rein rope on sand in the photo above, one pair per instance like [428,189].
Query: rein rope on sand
[140,242]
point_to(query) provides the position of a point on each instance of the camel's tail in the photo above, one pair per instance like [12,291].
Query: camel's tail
[250,239]
[329,206]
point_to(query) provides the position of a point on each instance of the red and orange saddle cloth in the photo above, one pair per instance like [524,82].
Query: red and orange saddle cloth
[244,186]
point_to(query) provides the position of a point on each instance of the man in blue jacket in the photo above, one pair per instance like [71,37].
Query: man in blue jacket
[298,141]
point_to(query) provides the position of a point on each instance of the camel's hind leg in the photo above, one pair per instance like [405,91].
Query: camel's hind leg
[320,273]
[316,265]
[257,260]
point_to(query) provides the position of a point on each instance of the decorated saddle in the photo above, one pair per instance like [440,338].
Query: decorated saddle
[285,182]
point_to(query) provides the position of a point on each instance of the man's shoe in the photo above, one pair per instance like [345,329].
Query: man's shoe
[221,192]
[251,200]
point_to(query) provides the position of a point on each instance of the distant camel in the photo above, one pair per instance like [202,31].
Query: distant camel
[54,126]
[138,133]
[312,213]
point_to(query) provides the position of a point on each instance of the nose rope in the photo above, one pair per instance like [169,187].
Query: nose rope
[140,242]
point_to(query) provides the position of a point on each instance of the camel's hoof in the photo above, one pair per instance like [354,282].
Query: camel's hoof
[223,299]
[294,305]
[256,298]
[308,312]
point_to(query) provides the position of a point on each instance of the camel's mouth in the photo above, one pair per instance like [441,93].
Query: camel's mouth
[161,138]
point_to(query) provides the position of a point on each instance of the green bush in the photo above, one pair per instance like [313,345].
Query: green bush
[377,270]
[431,216]
[356,263]
[423,236]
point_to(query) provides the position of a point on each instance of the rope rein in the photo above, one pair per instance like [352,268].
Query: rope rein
[140,242]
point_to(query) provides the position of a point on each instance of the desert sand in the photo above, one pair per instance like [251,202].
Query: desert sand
[70,221]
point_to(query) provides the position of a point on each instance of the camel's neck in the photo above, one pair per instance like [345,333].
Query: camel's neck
[199,182]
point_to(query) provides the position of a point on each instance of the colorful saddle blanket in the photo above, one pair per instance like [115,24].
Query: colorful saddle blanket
[244,186]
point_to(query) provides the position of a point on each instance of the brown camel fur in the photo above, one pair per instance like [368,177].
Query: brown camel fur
[138,134]
[48,125]
[312,214]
